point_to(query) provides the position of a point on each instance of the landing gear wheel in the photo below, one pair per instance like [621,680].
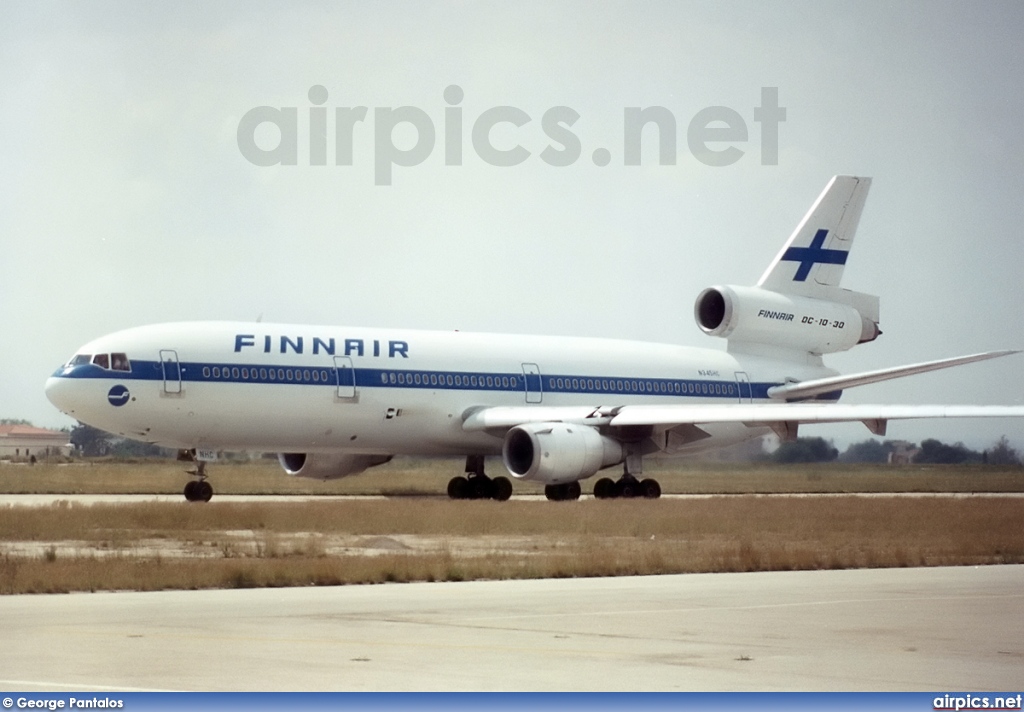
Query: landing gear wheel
[650,489]
[198,489]
[501,489]
[604,488]
[204,491]
[627,489]
[458,488]
[479,487]
[561,493]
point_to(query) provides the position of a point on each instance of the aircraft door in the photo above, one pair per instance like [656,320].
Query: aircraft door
[534,391]
[743,383]
[346,377]
[171,371]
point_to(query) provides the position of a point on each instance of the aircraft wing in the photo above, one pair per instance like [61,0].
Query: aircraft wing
[808,389]
[781,417]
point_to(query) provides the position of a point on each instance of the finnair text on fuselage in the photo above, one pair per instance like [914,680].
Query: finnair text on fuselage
[328,346]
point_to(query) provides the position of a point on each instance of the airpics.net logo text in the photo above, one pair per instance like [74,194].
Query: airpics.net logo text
[715,135]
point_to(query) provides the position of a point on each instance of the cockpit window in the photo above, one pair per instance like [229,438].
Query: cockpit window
[110,362]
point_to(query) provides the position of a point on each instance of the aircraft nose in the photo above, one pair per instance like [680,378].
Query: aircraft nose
[57,392]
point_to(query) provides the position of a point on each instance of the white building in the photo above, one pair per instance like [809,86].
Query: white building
[24,441]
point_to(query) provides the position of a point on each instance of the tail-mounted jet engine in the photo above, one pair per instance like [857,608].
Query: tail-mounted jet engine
[760,316]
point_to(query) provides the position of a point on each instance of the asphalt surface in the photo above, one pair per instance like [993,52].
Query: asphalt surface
[883,629]
[45,500]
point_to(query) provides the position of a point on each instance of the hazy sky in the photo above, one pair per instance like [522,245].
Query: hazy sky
[125,199]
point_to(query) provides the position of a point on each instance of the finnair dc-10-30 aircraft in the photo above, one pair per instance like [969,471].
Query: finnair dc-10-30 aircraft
[334,401]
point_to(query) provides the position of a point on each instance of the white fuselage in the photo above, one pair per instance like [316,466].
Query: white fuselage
[299,388]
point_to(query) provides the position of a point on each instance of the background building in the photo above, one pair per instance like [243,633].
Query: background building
[23,441]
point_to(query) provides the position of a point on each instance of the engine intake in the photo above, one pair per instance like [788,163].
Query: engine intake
[760,316]
[327,467]
[557,453]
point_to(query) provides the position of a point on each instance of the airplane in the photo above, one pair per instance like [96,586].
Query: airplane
[335,401]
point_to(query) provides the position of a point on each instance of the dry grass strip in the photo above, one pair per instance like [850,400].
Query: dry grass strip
[415,476]
[155,545]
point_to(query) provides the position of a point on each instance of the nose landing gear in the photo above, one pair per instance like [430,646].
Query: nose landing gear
[198,489]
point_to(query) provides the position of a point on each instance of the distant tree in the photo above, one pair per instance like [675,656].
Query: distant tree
[134,448]
[1002,454]
[14,421]
[90,441]
[806,450]
[869,450]
[934,452]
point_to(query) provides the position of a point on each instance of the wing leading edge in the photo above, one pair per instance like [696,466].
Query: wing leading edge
[753,415]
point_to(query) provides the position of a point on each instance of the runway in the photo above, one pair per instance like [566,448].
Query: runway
[45,500]
[883,629]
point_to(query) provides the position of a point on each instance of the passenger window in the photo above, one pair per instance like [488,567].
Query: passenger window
[101,360]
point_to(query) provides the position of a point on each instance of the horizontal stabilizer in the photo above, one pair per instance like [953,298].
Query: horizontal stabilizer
[809,389]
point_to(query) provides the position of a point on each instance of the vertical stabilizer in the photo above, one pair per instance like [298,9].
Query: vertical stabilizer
[811,262]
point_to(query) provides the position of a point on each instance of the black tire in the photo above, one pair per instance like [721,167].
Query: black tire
[501,488]
[604,488]
[190,490]
[573,490]
[553,493]
[626,489]
[650,489]
[479,487]
[204,491]
[458,488]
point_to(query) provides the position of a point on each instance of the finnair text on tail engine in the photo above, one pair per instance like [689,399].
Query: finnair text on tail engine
[781,316]
[335,401]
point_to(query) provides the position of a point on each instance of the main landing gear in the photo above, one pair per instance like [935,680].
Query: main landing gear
[628,486]
[561,493]
[198,490]
[477,485]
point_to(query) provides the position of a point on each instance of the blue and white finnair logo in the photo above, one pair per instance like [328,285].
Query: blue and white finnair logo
[815,254]
[118,396]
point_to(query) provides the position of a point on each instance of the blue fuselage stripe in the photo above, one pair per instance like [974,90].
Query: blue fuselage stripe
[329,376]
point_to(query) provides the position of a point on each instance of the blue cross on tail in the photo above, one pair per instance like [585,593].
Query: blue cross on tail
[815,254]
